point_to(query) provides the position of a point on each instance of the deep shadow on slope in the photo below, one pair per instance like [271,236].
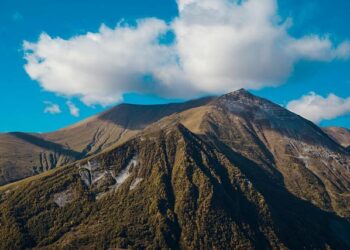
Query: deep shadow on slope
[136,117]
[238,209]
[48,145]
[297,220]
[275,118]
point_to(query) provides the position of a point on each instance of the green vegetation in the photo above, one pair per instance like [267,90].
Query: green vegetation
[191,196]
[240,173]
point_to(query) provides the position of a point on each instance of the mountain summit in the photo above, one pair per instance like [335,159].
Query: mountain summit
[229,172]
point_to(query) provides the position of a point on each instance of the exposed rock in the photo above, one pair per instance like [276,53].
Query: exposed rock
[136,182]
[64,198]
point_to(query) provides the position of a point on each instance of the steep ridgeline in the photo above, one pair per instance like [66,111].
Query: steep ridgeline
[294,151]
[289,149]
[23,155]
[238,172]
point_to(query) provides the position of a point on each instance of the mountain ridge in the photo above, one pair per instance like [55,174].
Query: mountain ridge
[115,125]
[87,137]
[183,181]
[232,172]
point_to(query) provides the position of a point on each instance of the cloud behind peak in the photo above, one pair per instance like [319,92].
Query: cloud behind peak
[219,46]
[318,108]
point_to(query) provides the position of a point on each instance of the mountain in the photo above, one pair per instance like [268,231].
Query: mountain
[340,135]
[23,155]
[233,172]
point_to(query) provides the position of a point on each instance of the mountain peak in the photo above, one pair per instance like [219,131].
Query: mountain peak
[239,92]
[240,95]
[228,160]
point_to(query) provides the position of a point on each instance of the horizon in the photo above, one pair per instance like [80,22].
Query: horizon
[303,66]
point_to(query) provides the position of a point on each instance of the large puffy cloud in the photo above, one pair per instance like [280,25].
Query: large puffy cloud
[100,67]
[317,108]
[225,45]
[220,46]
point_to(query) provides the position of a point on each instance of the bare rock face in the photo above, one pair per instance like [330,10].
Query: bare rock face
[237,172]
[64,198]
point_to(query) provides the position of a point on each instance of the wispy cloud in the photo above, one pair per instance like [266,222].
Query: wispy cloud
[220,46]
[317,108]
[73,110]
[52,108]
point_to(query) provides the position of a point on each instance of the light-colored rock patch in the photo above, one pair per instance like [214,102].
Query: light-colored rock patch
[125,173]
[135,183]
[63,198]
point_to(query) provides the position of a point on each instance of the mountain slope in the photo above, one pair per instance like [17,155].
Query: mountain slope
[22,154]
[291,150]
[116,125]
[234,172]
[340,135]
[164,189]
[312,166]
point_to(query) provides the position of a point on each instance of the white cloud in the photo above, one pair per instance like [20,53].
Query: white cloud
[52,108]
[224,45]
[100,67]
[317,108]
[319,49]
[73,110]
[220,46]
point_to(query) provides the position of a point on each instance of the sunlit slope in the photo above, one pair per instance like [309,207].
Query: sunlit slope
[23,154]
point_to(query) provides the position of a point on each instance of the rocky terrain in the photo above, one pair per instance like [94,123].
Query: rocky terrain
[232,172]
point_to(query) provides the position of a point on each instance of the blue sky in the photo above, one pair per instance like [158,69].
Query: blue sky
[23,100]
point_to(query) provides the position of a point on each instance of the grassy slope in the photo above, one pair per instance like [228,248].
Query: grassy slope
[191,196]
[22,154]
